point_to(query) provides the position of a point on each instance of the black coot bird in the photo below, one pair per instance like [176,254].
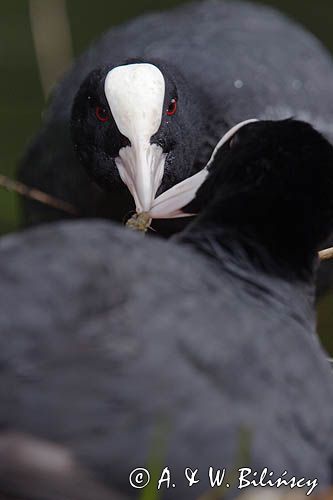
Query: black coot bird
[152,98]
[123,348]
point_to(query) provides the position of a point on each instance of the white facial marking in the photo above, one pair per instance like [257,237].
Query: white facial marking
[135,94]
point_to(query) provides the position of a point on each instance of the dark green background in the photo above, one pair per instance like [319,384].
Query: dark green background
[21,97]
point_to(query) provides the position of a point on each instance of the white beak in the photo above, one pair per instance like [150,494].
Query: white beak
[141,168]
[170,203]
[135,93]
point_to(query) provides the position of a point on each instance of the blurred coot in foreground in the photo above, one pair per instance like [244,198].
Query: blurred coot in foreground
[109,339]
[36,469]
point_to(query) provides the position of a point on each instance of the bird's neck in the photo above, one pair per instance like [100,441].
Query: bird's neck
[259,274]
[275,243]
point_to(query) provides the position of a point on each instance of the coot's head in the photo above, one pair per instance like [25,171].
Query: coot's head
[138,123]
[272,182]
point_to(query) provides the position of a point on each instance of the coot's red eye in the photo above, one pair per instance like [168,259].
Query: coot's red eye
[102,114]
[172,107]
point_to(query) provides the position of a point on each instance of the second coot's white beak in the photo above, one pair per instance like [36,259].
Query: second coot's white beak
[169,204]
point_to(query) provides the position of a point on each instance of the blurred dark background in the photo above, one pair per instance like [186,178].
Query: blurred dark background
[38,39]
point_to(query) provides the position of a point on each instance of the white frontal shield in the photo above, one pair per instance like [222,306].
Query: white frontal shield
[135,93]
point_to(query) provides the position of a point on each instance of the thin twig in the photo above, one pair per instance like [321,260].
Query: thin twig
[47,199]
[37,195]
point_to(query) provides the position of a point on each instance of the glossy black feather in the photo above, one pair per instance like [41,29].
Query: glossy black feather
[275,184]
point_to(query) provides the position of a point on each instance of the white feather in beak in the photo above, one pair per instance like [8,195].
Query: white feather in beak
[169,204]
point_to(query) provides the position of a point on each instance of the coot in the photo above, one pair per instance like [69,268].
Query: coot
[122,348]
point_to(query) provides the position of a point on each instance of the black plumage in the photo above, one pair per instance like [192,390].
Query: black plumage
[97,143]
[274,193]
[119,338]
[239,60]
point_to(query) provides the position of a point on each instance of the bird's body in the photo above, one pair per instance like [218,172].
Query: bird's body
[241,60]
[133,351]
[121,359]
